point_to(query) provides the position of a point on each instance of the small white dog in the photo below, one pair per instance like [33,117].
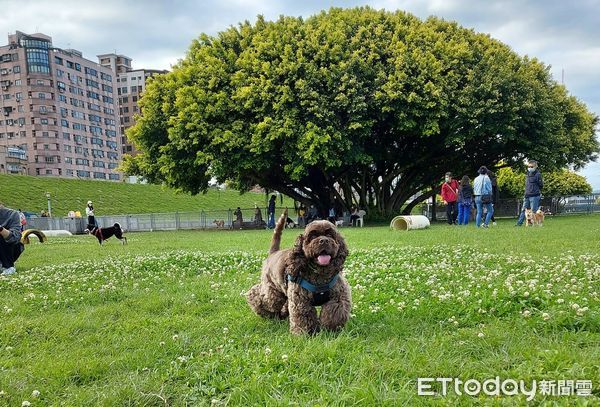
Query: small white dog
[339,223]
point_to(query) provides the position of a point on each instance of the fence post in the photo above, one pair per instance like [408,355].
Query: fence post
[177,220]
[151,222]
[202,220]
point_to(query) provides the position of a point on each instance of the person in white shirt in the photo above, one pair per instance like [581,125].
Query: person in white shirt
[91,220]
[482,190]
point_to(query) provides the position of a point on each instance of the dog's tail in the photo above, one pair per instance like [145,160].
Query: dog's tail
[277,234]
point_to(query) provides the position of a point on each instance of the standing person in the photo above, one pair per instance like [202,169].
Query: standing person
[23,220]
[331,216]
[450,196]
[465,200]
[302,216]
[271,212]
[10,239]
[494,180]
[239,218]
[91,220]
[313,214]
[533,190]
[482,189]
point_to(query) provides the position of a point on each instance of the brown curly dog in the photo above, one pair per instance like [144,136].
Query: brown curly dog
[295,281]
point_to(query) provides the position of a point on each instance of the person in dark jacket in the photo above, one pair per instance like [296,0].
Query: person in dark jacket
[465,200]
[533,190]
[494,180]
[449,192]
[271,212]
[10,240]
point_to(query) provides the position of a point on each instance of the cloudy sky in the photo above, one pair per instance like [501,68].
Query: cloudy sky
[157,33]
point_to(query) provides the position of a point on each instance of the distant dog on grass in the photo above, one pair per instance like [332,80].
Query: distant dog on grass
[103,234]
[534,218]
[220,223]
[339,223]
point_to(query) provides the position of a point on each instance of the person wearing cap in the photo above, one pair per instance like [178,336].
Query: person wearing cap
[449,194]
[10,239]
[91,220]
[482,189]
[533,190]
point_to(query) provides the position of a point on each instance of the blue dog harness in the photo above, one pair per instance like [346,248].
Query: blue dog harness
[320,292]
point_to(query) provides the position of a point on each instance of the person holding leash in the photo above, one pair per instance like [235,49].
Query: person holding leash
[91,220]
[533,190]
[10,239]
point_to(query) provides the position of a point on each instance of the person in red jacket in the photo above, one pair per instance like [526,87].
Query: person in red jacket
[450,196]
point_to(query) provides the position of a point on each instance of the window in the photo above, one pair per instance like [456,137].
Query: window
[16,69]
[18,82]
[62,98]
[125,99]
[69,64]
[77,67]
[91,71]
[107,99]
[114,177]
[40,82]
[58,60]
[66,136]
[60,73]
[107,88]
[37,60]
[42,95]
[64,123]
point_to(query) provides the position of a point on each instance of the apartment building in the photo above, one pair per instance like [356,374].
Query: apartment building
[130,86]
[58,110]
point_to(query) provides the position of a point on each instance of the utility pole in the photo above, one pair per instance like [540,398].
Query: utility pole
[49,204]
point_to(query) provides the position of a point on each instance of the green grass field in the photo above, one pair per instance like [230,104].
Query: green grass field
[162,321]
[114,198]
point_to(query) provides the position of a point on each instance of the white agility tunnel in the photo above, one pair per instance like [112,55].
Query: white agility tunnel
[409,222]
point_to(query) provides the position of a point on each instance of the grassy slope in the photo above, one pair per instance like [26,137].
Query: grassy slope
[176,330]
[110,198]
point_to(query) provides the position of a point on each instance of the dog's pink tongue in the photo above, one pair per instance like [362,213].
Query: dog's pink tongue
[324,259]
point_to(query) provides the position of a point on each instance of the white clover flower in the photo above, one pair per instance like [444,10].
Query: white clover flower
[267,351]
[481,335]
[526,314]
[284,358]
[35,394]
[25,404]
[175,337]
[545,316]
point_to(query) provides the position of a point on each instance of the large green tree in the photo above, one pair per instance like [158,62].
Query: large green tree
[358,105]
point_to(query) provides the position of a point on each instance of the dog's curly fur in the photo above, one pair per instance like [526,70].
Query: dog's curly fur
[275,297]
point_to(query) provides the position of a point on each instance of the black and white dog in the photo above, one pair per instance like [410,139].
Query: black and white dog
[103,234]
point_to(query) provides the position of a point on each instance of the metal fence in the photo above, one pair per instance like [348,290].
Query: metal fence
[506,208]
[256,218]
[251,218]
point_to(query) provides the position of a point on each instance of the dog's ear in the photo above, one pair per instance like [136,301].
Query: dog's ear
[296,259]
[342,252]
